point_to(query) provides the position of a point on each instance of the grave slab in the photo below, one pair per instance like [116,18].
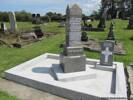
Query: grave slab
[38,73]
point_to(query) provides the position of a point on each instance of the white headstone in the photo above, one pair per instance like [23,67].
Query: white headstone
[13,25]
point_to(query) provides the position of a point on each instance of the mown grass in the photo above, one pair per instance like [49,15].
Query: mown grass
[9,57]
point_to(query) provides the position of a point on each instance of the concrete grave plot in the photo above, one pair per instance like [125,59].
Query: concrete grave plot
[94,45]
[44,73]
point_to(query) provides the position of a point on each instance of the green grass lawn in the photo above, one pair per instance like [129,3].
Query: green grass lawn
[11,57]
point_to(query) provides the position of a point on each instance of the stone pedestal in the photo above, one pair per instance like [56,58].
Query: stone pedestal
[72,63]
[73,60]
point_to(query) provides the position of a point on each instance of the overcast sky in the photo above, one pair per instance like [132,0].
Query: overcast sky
[43,6]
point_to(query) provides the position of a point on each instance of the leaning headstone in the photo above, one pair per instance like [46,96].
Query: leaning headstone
[72,59]
[111,32]
[107,49]
[13,25]
[3,27]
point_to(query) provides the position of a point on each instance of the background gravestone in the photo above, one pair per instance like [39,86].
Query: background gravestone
[33,18]
[13,25]
[107,49]
[102,23]
[111,32]
[38,19]
[3,27]
[72,59]
[130,25]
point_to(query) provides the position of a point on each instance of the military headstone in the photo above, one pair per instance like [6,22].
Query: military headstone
[107,49]
[13,25]
[72,59]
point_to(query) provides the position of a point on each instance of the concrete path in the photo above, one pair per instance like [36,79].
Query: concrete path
[24,92]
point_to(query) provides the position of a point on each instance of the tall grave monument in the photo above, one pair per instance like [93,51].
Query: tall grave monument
[13,25]
[80,78]
[72,59]
[102,23]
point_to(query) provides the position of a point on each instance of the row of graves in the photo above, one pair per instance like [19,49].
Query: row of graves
[14,37]
[94,45]
[70,74]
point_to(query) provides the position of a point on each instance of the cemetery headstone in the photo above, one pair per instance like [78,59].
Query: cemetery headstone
[84,37]
[33,18]
[38,19]
[38,31]
[62,24]
[130,25]
[72,59]
[111,32]
[102,23]
[3,27]
[107,50]
[13,25]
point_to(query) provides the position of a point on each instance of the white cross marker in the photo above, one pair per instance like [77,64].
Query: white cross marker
[106,53]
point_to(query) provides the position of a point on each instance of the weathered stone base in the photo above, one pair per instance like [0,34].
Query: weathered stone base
[72,63]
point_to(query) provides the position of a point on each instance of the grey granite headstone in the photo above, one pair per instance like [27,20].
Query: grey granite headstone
[13,25]
[73,59]
[73,30]
[107,49]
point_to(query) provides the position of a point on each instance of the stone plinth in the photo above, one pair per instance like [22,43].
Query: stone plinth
[72,63]
[91,84]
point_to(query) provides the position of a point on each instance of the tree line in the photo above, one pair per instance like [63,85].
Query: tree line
[23,16]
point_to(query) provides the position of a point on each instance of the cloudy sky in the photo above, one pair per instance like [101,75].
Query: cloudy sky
[43,6]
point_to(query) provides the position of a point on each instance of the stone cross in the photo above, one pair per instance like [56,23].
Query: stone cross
[13,25]
[107,53]
[107,49]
